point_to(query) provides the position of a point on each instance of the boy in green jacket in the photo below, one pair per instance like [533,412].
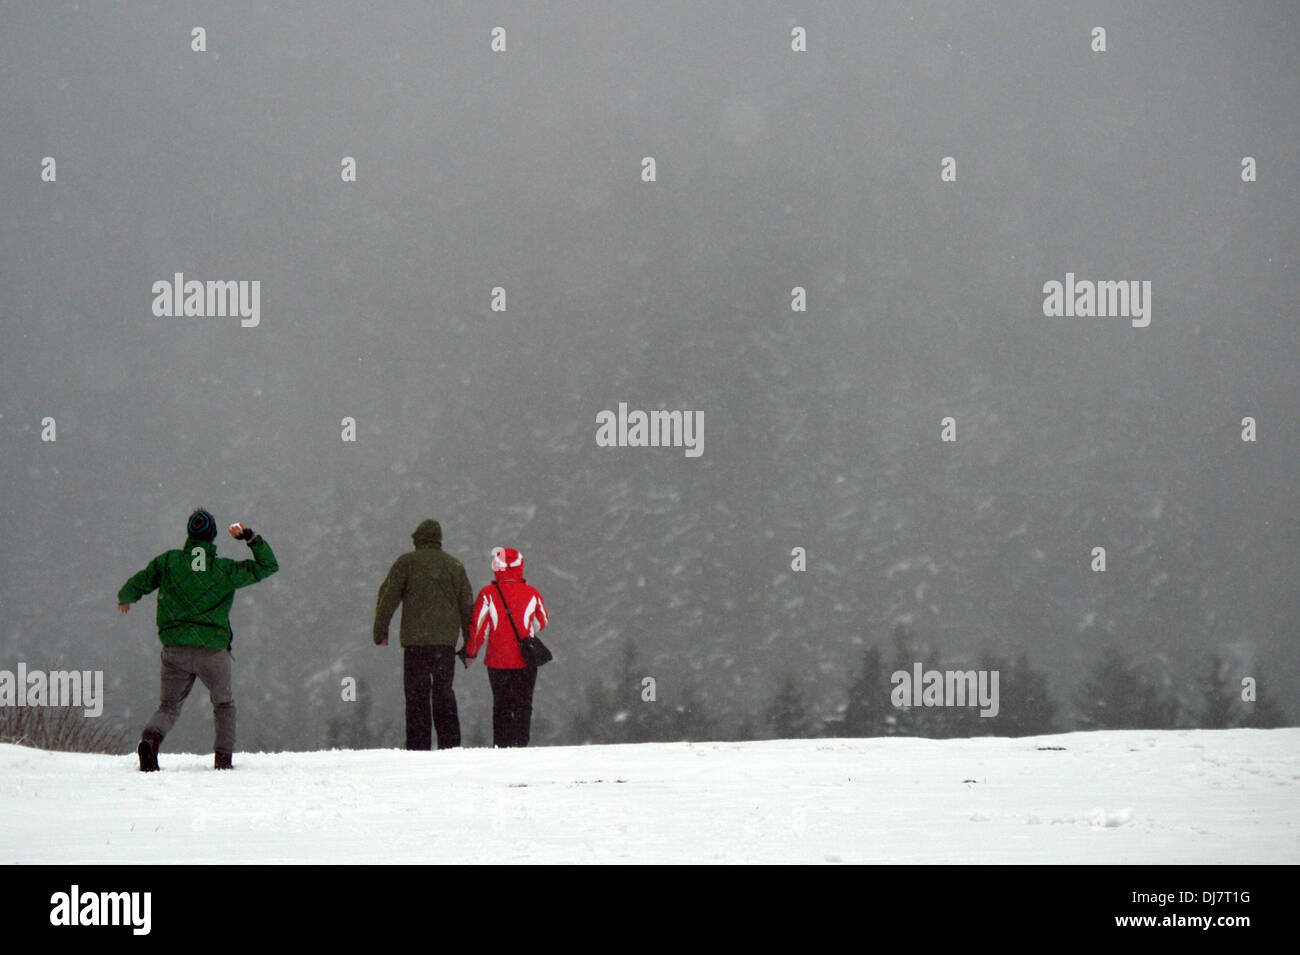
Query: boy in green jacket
[195,591]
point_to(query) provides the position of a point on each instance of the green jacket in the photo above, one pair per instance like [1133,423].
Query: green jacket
[433,590]
[193,604]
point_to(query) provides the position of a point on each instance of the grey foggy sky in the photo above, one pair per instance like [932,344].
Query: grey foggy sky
[821,429]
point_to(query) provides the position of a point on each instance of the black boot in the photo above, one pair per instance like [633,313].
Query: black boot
[148,751]
[222,761]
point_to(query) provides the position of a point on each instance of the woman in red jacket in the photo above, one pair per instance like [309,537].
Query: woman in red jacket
[512,679]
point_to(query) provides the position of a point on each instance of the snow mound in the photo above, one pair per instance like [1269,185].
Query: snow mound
[1102,819]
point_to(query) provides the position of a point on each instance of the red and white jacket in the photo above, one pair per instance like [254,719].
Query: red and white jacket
[489,616]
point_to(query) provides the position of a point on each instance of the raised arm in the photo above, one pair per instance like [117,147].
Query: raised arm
[263,563]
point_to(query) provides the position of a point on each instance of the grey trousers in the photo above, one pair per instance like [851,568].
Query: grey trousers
[180,666]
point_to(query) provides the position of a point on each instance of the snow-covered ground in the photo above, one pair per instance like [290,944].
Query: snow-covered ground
[1111,797]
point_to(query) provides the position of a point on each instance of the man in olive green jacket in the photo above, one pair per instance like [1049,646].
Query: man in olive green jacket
[195,591]
[436,599]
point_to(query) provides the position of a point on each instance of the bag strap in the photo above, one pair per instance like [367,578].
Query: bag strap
[509,615]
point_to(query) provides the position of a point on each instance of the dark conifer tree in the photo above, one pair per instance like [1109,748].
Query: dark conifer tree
[1219,702]
[1116,695]
[868,707]
[901,720]
[787,715]
[1025,704]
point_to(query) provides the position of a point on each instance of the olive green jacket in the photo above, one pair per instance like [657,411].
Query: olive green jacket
[433,590]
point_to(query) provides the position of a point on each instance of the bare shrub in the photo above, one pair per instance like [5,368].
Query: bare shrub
[64,729]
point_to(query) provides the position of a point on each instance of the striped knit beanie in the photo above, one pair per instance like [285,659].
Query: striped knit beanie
[201,526]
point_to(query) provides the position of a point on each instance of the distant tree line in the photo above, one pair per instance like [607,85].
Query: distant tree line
[1114,694]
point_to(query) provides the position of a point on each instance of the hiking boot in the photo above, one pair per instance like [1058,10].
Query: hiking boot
[222,761]
[148,751]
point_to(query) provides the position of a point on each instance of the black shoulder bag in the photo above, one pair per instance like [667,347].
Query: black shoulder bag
[534,651]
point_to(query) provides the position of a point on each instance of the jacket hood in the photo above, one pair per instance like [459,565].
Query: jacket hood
[428,534]
[507,563]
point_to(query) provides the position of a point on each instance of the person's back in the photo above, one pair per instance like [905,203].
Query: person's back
[196,590]
[506,611]
[433,590]
[493,622]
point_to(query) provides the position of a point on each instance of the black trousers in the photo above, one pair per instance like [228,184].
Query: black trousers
[427,673]
[512,705]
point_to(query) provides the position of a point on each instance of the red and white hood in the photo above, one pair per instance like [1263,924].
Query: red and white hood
[507,563]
